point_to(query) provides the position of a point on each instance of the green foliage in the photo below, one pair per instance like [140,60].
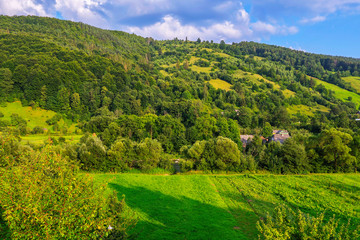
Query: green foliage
[215,154]
[46,197]
[56,118]
[92,153]
[267,130]
[287,224]
[148,154]
[37,130]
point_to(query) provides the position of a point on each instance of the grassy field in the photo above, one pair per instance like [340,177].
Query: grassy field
[340,92]
[228,206]
[34,117]
[220,84]
[38,139]
[354,81]
[303,109]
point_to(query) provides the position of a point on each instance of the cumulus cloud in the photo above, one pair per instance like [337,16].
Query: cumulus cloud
[89,11]
[22,7]
[239,29]
[269,29]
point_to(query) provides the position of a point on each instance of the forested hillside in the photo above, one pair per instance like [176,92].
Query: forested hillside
[142,103]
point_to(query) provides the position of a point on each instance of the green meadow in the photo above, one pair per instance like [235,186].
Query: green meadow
[354,81]
[339,92]
[303,109]
[33,116]
[220,84]
[228,206]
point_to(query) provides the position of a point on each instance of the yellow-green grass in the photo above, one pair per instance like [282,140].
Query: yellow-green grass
[228,206]
[197,68]
[306,110]
[257,58]
[256,78]
[39,139]
[354,81]
[207,49]
[33,116]
[339,92]
[164,73]
[220,84]
[224,55]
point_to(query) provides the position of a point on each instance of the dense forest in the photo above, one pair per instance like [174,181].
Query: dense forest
[142,103]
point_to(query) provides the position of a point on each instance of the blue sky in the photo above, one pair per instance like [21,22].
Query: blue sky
[319,26]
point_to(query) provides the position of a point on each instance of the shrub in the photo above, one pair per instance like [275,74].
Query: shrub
[16,120]
[56,118]
[37,130]
[1,115]
[287,224]
[149,152]
[47,198]
[92,153]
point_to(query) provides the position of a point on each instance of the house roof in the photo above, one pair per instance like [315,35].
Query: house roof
[280,137]
[246,137]
[280,132]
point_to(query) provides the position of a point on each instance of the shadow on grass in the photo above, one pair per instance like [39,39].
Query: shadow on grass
[167,217]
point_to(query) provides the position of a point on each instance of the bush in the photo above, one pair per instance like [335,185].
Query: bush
[92,153]
[47,198]
[37,130]
[10,150]
[1,115]
[56,118]
[287,224]
[16,120]
[4,123]
[149,152]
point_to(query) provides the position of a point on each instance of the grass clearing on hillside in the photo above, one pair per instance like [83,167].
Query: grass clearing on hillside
[303,109]
[256,78]
[220,84]
[354,81]
[340,93]
[228,206]
[34,117]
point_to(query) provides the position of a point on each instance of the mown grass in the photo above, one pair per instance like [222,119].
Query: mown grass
[339,92]
[303,109]
[220,84]
[354,81]
[228,206]
[175,207]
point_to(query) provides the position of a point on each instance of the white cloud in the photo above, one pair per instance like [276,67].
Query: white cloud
[21,7]
[313,20]
[83,10]
[270,29]
[238,30]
